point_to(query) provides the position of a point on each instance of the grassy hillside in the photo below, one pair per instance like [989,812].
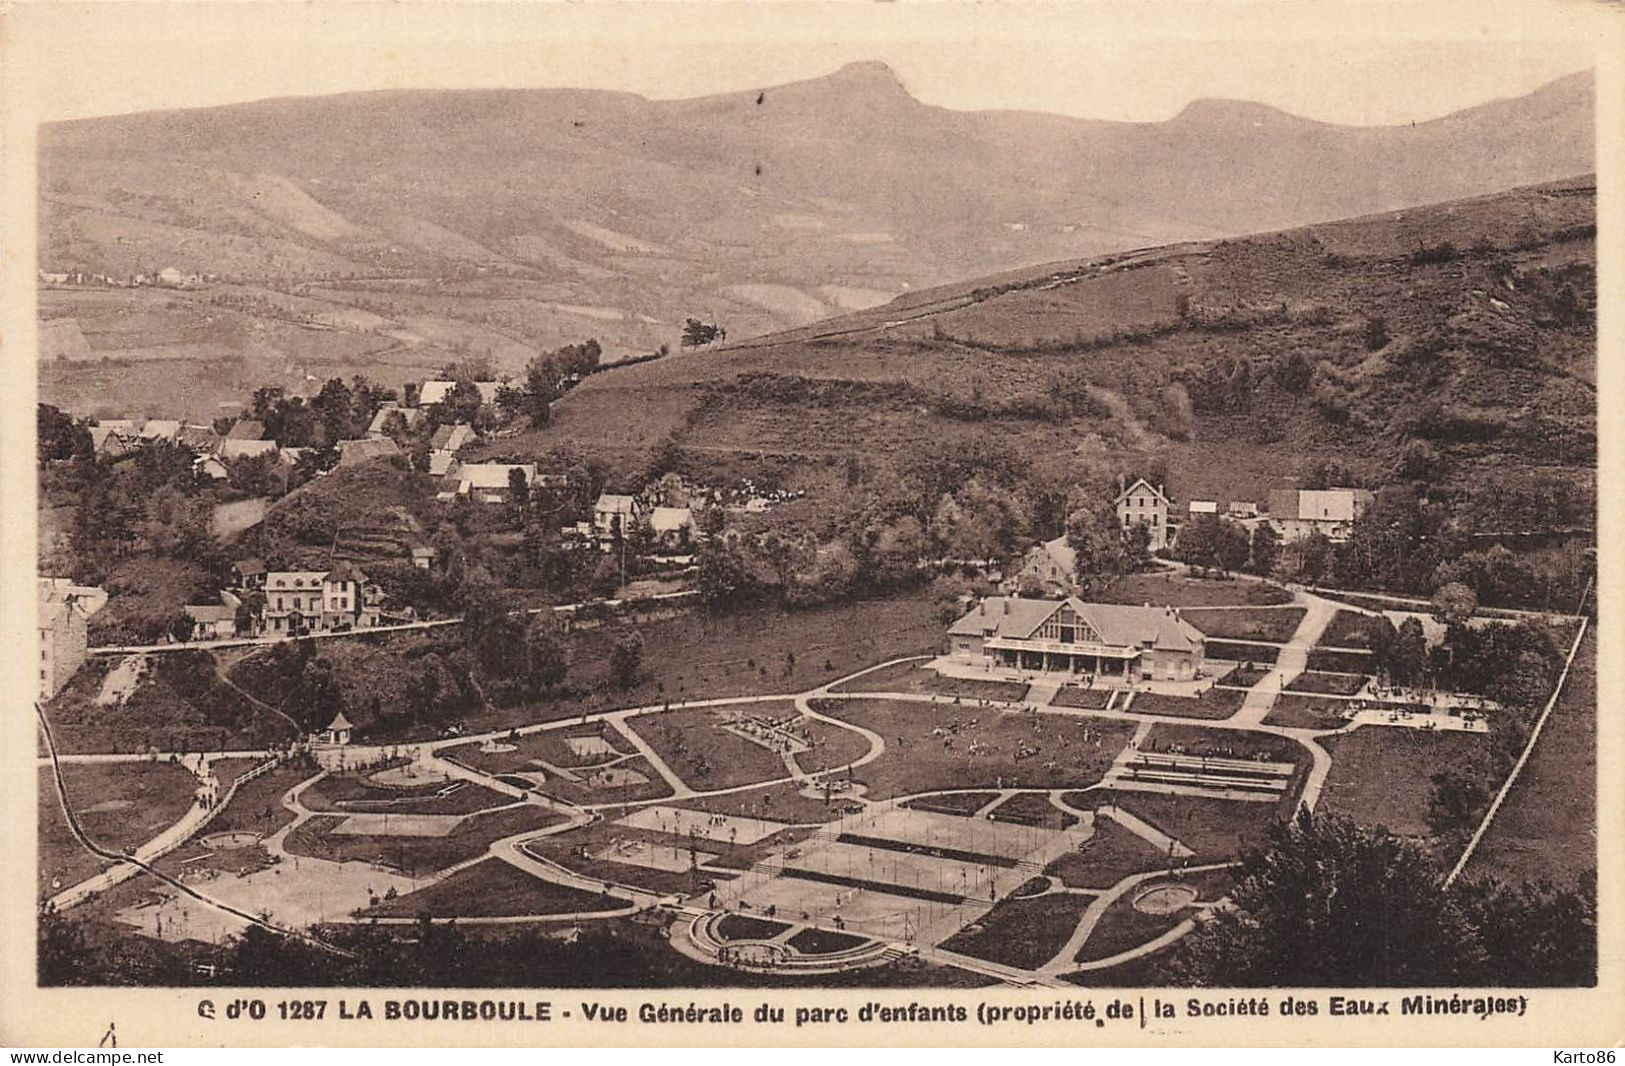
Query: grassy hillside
[381,232]
[1235,364]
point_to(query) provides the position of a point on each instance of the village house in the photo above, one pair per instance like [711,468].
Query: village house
[1242,509]
[1144,504]
[1051,566]
[423,557]
[366,449]
[64,611]
[452,439]
[1105,641]
[238,448]
[312,601]
[246,429]
[1298,513]
[490,482]
[212,621]
[1202,507]
[160,429]
[613,515]
[412,416]
[435,392]
[673,527]
[249,573]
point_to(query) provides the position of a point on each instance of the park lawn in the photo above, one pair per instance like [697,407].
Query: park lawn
[775,803]
[1122,928]
[1547,826]
[1384,775]
[1242,653]
[1091,699]
[1112,854]
[1212,704]
[977,748]
[1177,590]
[1349,629]
[916,677]
[120,806]
[1214,829]
[1241,676]
[1342,662]
[1295,711]
[1329,684]
[1143,972]
[492,889]
[179,704]
[1033,808]
[353,793]
[814,941]
[704,754]
[257,806]
[1272,624]
[1226,743]
[960,803]
[586,792]
[415,856]
[830,747]
[746,927]
[1024,933]
[531,750]
[226,771]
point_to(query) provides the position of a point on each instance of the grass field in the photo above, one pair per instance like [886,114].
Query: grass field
[1213,829]
[1273,624]
[355,793]
[1093,699]
[706,756]
[745,927]
[914,677]
[1328,684]
[977,748]
[1175,590]
[1384,776]
[1348,629]
[1242,653]
[1112,854]
[1547,826]
[1307,712]
[1242,676]
[1229,743]
[1025,933]
[829,747]
[1032,808]
[1122,927]
[1214,703]
[963,803]
[414,855]
[783,803]
[493,888]
[1342,662]
[119,806]
[257,806]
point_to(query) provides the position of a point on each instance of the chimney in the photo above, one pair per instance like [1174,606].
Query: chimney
[983,607]
[1006,606]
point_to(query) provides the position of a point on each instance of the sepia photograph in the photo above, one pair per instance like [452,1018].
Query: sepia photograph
[859,497]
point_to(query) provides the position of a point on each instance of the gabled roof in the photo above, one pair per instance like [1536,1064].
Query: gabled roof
[670,519]
[1320,505]
[440,463]
[246,429]
[451,438]
[1139,485]
[1120,625]
[210,612]
[412,415]
[1061,551]
[493,475]
[363,449]
[339,722]
[245,449]
[160,429]
[251,565]
[434,392]
[199,438]
[616,503]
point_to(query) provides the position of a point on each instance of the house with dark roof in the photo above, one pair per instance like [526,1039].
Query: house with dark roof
[1071,637]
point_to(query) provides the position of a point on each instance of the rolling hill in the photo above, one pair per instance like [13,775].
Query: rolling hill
[1468,326]
[406,224]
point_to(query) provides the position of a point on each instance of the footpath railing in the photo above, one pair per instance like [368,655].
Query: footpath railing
[1523,757]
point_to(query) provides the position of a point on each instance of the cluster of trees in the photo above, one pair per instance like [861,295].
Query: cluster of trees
[550,374]
[1330,904]
[697,333]
[60,436]
[1211,542]
[338,411]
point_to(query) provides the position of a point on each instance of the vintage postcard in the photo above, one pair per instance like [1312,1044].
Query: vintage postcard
[827,523]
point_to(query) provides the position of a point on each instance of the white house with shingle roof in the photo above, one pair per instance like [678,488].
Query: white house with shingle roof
[1072,637]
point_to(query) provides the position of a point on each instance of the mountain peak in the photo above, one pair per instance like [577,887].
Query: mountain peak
[872,74]
[1224,111]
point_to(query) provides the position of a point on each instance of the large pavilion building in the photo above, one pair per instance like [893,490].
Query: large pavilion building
[1105,640]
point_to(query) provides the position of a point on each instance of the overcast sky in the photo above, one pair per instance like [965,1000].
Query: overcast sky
[1370,62]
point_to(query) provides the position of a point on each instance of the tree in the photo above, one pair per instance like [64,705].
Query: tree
[1327,903]
[463,403]
[1314,556]
[626,659]
[60,437]
[1232,548]
[181,626]
[541,389]
[1454,604]
[1198,541]
[518,488]
[1265,548]
[1097,546]
[697,333]
[547,656]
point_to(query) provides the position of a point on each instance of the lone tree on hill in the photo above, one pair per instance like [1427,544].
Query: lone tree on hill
[697,333]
